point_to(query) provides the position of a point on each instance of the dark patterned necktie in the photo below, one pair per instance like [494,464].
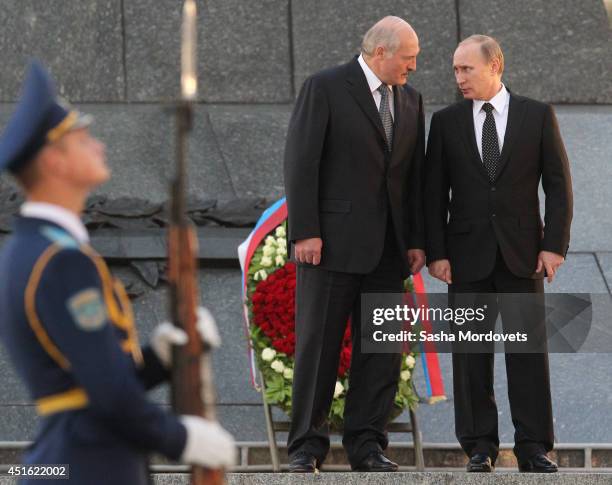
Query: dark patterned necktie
[385,114]
[490,142]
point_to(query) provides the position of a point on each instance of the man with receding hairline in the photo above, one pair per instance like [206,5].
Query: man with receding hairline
[353,165]
[490,152]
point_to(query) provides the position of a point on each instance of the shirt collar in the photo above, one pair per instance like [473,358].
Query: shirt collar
[58,215]
[499,101]
[372,78]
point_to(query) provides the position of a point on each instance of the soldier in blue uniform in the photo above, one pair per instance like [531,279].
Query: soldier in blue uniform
[67,323]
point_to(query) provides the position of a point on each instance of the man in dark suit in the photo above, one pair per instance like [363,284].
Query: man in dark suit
[353,168]
[491,151]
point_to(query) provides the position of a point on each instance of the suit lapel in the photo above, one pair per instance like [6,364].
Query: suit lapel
[516,112]
[357,85]
[465,118]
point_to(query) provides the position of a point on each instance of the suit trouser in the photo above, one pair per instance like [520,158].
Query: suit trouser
[527,374]
[324,302]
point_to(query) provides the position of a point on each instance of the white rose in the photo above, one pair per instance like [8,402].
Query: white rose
[260,275]
[268,354]
[339,389]
[270,241]
[288,373]
[268,250]
[280,231]
[281,251]
[405,375]
[280,261]
[410,361]
[281,242]
[266,261]
[278,366]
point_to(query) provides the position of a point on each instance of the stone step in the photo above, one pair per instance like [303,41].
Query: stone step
[423,478]
[420,478]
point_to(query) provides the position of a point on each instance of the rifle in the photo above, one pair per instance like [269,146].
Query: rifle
[192,385]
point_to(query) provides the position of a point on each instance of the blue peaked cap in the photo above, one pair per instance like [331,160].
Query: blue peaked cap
[40,117]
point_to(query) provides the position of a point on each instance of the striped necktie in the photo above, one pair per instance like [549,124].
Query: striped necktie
[385,114]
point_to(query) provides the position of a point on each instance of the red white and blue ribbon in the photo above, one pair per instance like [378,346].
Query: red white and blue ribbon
[269,220]
[434,385]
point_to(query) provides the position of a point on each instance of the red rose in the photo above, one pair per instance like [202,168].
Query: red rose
[274,313]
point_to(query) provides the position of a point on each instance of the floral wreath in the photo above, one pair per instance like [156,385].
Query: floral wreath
[270,302]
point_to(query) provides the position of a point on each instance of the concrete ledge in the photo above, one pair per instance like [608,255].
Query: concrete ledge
[438,478]
[417,478]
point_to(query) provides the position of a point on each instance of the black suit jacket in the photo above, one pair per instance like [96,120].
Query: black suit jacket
[341,181]
[468,226]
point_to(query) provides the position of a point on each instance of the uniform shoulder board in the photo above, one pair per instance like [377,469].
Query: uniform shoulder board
[59,236]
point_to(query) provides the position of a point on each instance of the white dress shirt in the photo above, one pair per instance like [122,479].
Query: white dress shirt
[62,217]
[500,102]
[374,84]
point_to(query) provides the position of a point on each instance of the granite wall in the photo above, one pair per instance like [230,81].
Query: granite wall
[118,59]
[260,52]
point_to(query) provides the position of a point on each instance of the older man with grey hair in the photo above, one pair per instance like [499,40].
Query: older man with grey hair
[353,168]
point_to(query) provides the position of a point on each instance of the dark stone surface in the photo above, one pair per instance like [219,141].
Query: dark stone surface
[246,423]
[141,153]
[220,292]
[17,422]
[586,133]
[579,274]
[140,150]
[243,50]
[13,391]
[580,386]
[605,261]
[252,142]
[329,33]
[555,51]
[214,243]
[80,42]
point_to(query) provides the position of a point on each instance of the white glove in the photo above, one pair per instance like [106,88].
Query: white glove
[166,335]
[208,444]
[207,328]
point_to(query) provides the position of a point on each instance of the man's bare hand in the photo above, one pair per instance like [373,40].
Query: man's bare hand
[309,250]
[416,260]
[441,269]
[550,262]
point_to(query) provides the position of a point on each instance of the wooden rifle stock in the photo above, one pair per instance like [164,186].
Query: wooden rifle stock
[192,386]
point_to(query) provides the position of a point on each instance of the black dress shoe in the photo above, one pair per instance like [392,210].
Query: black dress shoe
[376,462]
[303,462]
[539,463]
[480,462]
